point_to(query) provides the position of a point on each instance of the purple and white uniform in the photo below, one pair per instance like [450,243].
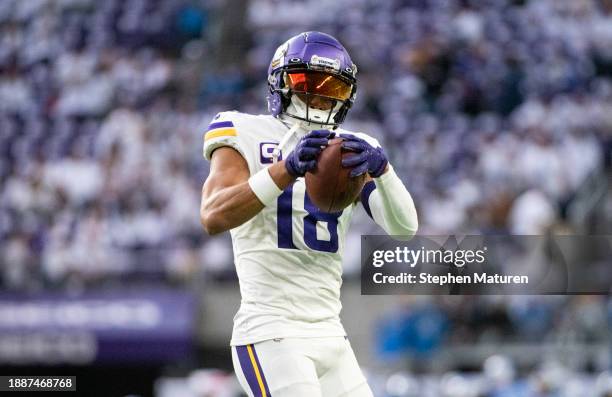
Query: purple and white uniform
[289,256]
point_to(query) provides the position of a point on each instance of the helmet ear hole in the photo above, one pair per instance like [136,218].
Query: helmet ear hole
[286,99]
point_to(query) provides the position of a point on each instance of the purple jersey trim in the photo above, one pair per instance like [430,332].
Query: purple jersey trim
[365,196]
[220,124]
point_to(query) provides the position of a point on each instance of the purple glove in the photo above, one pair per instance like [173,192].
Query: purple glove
[304,157]
[367,158]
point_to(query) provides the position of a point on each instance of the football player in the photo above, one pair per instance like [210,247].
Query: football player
[287,338]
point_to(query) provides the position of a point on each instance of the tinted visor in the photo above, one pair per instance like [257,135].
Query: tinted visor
[319,83]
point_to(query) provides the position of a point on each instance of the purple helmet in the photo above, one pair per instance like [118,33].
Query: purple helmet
[312,78]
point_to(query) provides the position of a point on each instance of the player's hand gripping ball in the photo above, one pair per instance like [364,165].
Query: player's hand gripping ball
[304,157]
[367,158]
[329,185]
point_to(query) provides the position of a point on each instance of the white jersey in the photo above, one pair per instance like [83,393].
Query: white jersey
[288,256]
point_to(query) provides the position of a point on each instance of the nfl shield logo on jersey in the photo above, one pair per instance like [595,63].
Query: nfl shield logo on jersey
[266,152]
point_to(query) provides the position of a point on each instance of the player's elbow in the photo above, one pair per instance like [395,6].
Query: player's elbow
[404,231]
[403,234]
[212,223]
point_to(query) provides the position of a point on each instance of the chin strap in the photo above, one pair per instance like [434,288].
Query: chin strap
[288,135]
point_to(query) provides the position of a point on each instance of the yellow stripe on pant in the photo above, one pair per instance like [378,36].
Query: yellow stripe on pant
[257,374]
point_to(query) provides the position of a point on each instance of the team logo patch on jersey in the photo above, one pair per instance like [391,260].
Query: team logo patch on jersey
[219,129]
[266,151]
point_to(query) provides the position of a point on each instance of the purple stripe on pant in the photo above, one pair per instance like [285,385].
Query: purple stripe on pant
[249,371]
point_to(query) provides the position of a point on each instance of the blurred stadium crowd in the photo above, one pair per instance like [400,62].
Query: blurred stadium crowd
[497,113]
[99,157]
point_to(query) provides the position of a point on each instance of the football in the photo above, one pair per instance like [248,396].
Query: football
[329,185]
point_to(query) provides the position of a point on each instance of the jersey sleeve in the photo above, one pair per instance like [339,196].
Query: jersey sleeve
[222,131]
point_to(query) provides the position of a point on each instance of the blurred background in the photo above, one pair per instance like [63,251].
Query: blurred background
[497,114]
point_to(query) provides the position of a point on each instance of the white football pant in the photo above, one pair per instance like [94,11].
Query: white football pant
[300,367]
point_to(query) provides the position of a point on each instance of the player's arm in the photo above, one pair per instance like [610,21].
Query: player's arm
[384,196]
[227,197]
[389,203]
[231,196]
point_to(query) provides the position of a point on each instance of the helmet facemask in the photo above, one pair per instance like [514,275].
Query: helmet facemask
[315,97]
